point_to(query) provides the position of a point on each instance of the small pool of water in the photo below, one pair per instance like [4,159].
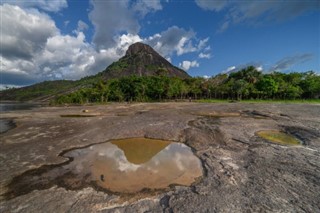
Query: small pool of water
[278,137]
[78,115]
[7,124]
[131,165]
[120,166]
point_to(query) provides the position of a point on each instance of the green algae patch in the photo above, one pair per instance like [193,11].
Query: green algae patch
[140,150]
[278,137]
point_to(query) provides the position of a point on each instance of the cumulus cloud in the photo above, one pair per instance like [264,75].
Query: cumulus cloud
[254,12]
[287,62]
[24,33]
[186,65]
[112,18]
[47,5]
[33,49]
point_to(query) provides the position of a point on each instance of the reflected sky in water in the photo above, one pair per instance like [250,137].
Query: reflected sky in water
[107,164]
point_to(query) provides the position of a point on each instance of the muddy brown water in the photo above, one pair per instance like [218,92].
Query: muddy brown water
[120,166]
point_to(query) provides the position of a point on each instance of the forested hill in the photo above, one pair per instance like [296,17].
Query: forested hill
[247,83]
[143,75]
[140,59]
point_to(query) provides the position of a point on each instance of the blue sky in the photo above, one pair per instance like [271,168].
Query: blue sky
[69,39]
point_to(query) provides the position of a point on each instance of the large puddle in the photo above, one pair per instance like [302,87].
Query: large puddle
[121,166]
[278,137]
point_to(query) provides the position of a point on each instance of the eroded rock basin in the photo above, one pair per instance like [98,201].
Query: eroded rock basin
[131,165]
[120,166]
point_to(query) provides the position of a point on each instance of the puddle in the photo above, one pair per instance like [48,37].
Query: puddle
[120,166]
[6,125]
[218,114]
[78,115]
[278,137]
[255,114]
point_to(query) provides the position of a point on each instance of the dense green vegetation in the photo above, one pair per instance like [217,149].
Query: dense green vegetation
[47,89]
[247,84]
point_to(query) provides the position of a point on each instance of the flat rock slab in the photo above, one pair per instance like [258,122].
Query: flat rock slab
[242,172]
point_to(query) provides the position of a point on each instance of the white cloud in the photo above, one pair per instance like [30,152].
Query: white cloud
[82,26]
[215,5]
[186,65]
[8,86]
[112,18]
[177,41]
[237,68]
[33,49]
[229,69]
[287,62]
[66,23]
[146,6]
[253,12]
[259,68]
[47,5]
[24,33]
[205,55]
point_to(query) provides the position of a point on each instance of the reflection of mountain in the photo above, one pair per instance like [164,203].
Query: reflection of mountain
[140,150]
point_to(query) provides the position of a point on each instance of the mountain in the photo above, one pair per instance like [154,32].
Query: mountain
[141,60]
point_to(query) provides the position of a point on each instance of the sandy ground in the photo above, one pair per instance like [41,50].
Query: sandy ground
[242,172]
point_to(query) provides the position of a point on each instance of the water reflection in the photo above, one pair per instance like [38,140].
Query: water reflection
[6,107]
[7,124]
[134,164]
[125,166]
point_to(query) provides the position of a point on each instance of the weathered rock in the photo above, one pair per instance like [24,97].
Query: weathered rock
[242,173]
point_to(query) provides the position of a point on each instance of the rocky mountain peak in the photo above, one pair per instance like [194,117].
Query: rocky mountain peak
[139,47]
[142,60]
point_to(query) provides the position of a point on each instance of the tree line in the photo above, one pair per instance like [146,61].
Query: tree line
[248,83]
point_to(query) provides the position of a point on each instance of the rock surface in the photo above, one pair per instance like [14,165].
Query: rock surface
[243,173]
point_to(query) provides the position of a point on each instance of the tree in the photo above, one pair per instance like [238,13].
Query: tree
[310,85]
[268,86]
